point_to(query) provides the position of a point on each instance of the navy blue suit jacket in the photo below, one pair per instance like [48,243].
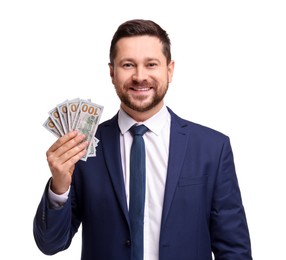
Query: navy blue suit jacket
[202,211]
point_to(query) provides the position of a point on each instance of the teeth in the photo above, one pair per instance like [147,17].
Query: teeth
[141,89]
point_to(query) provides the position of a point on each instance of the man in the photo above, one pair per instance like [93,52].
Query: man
[193,206]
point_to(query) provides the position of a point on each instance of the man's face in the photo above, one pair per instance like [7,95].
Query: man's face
[141,74]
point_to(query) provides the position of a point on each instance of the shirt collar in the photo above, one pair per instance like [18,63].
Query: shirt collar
[154,123]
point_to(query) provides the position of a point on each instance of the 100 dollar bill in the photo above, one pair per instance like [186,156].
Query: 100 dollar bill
[76,114]
[86,121]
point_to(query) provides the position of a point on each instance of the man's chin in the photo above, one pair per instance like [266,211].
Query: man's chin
[143,106]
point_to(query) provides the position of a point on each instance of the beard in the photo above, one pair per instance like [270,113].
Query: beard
[140,105]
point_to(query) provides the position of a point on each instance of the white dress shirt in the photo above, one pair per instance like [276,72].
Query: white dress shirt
[157,153]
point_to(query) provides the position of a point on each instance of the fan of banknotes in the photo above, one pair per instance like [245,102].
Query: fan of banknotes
[77,114]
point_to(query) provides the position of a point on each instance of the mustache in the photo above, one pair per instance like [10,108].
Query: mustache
[142,84]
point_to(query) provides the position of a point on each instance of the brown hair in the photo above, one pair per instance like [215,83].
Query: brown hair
[140,27]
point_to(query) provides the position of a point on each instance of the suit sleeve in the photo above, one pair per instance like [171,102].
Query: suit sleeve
[53,229]
[229,230]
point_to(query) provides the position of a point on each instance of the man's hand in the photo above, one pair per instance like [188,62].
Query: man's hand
[62,156]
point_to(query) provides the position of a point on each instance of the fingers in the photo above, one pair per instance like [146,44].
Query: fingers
[68,149]
[62,140]
[75,153]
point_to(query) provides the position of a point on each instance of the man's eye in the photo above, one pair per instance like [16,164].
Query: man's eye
[151,65]
[127,65]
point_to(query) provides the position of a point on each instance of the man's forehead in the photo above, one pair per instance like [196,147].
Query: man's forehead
[140,45]
[139,38]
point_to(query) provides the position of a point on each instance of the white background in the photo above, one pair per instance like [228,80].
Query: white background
[230,75]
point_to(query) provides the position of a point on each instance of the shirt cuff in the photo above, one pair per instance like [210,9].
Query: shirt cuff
[57,201]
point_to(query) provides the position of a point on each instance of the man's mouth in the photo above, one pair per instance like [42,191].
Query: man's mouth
[140,88]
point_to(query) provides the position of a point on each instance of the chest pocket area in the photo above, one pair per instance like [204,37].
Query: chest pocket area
[191,181]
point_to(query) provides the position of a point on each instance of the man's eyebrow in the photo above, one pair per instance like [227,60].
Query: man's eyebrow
[151,58]
[132,60]
[126,59]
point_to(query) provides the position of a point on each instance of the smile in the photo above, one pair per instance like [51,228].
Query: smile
[141,89]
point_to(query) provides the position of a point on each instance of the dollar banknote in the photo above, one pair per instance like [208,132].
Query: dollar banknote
[77,114]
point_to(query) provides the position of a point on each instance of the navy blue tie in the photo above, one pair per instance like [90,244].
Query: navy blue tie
[137,190]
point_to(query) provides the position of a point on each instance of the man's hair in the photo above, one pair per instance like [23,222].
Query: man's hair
[140,27]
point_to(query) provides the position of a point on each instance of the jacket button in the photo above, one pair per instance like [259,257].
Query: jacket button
[128,242]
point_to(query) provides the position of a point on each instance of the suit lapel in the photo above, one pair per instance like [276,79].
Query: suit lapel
[111,149]
[177,152]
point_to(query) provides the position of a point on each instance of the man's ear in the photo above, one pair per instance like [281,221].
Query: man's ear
[171,67]
[111,71]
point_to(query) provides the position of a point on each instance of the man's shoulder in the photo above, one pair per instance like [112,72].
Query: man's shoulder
[196,129]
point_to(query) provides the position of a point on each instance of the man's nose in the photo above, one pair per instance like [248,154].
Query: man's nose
[140,74]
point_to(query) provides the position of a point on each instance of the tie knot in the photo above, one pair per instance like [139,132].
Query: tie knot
[138,130]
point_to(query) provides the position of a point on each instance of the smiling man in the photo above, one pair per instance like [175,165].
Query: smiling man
[186,203]
[141,73]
